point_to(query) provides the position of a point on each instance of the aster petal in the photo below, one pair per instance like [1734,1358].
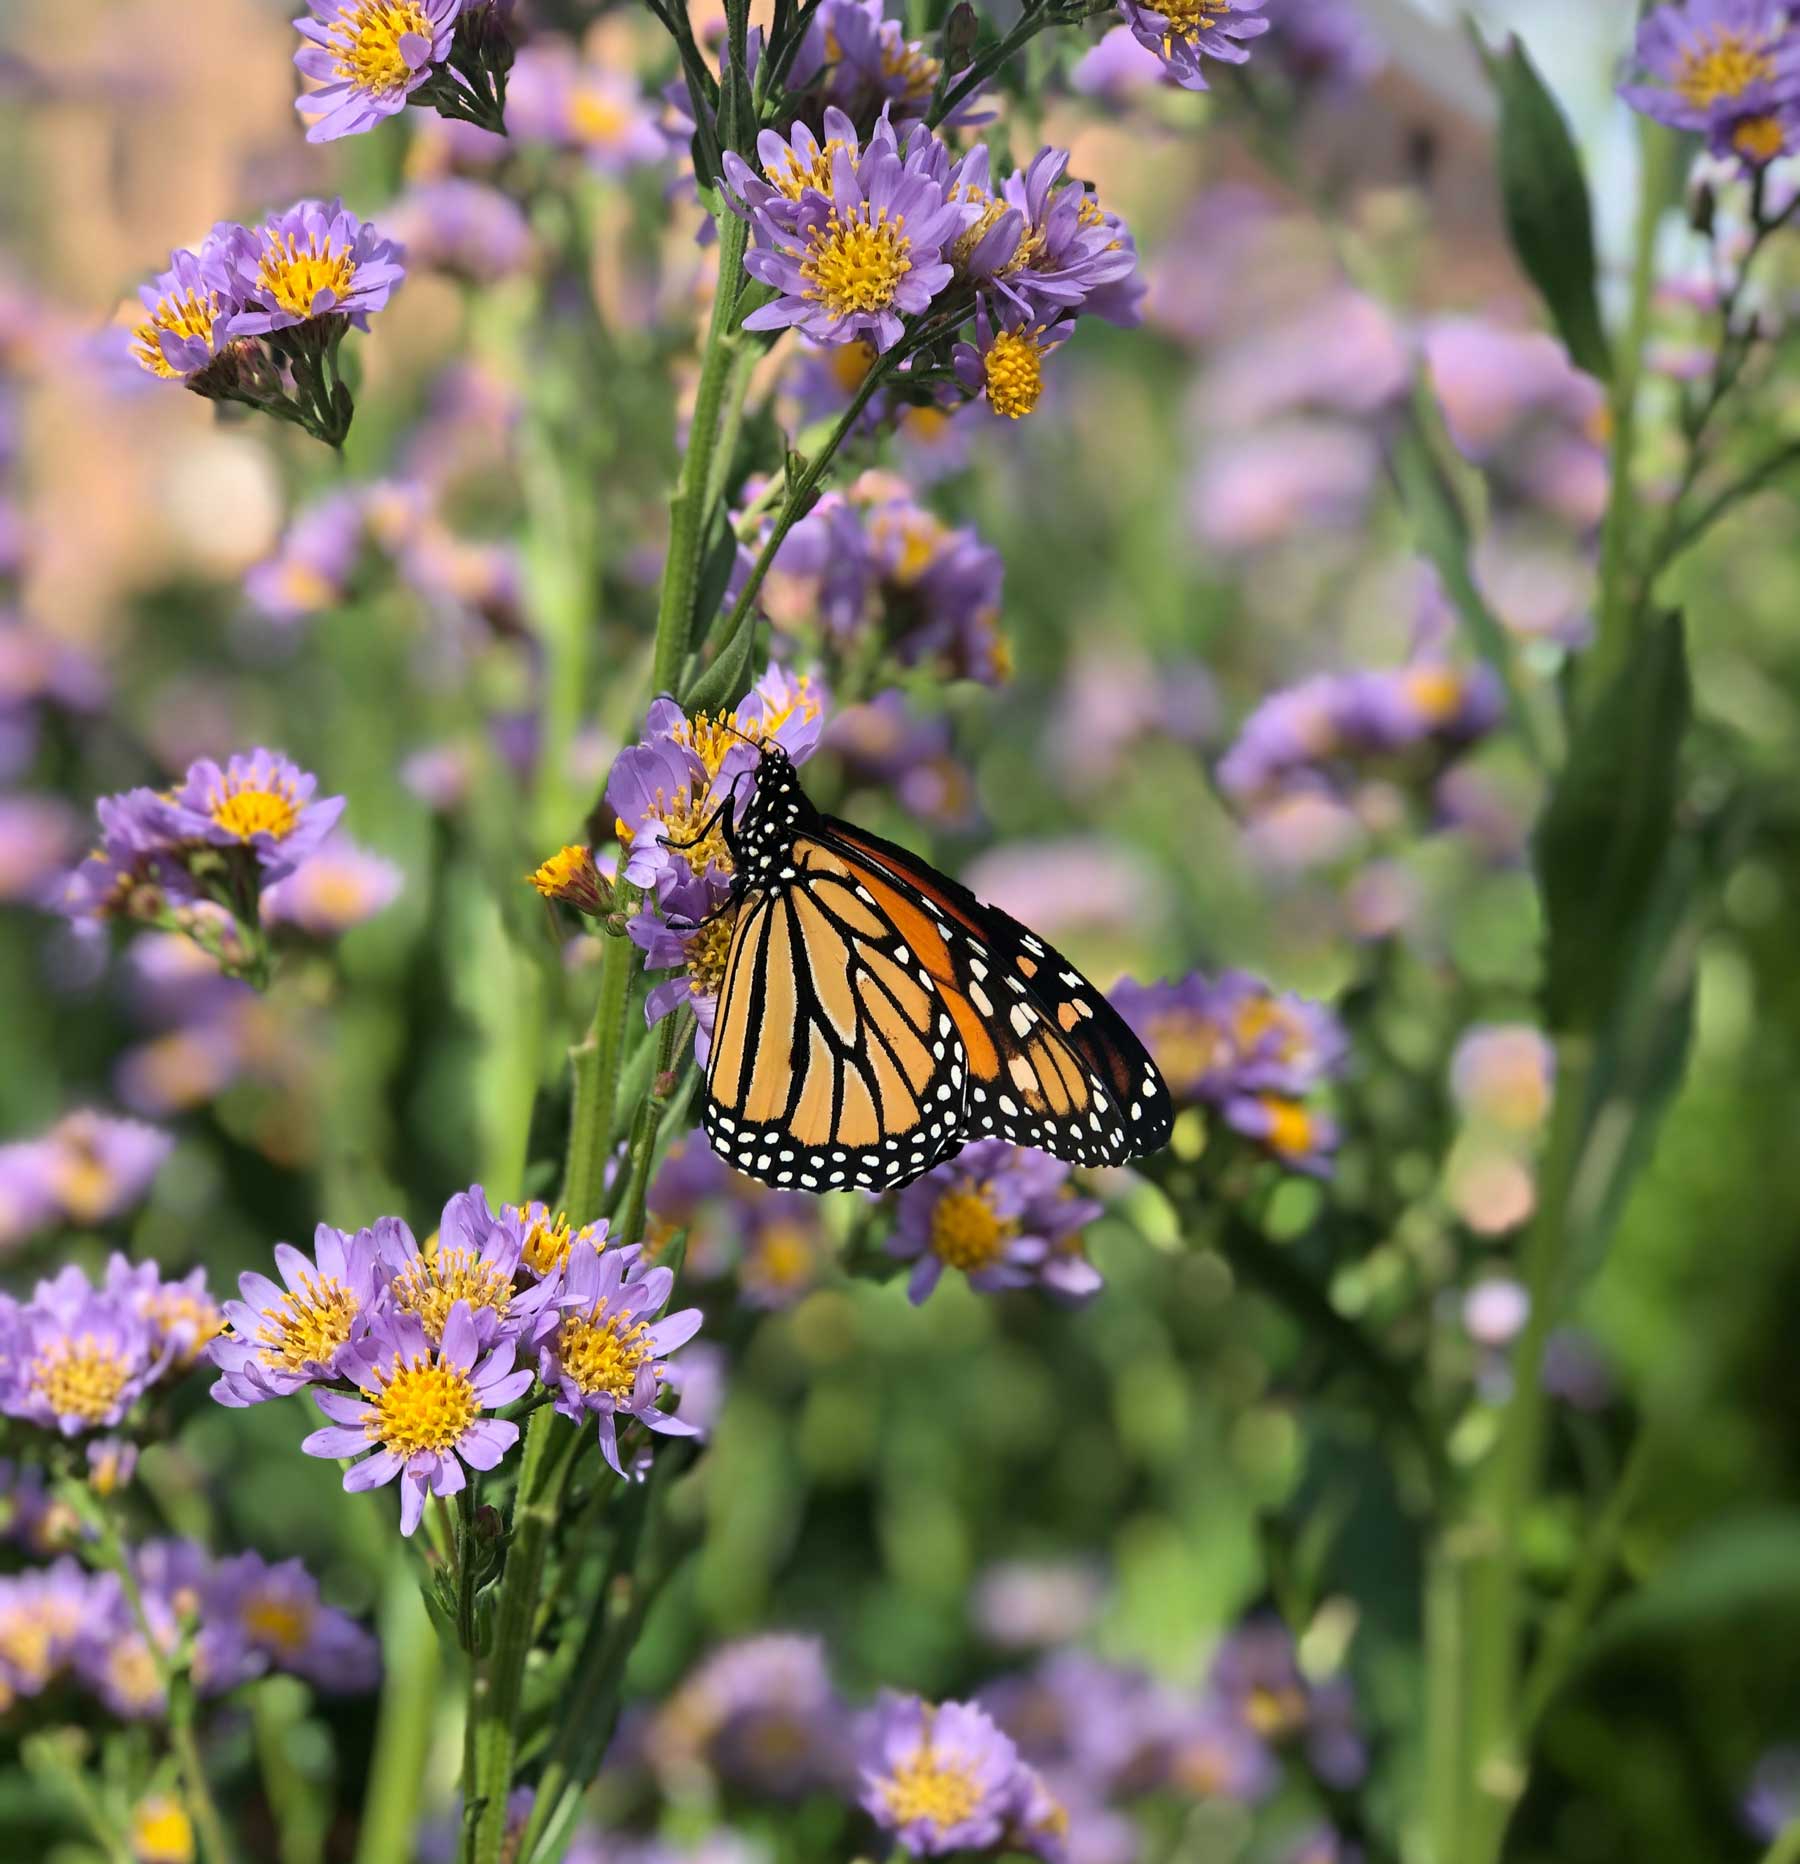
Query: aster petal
[340,1407]
[485,1442]
[335,1440]
[373,1471]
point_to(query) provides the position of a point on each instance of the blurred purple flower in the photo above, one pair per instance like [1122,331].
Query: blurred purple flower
[75,1358]
[1255,489]
[1004,1215]
[311,568]
[1502,1075]
[278,1609]
[553,95]
[940,1779]
[1216,1754]
[1119,68]
[466,228]
[1024,1604]
[1324,44]
[335,888]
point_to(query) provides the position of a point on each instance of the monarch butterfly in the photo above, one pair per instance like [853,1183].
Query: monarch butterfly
[874,1016]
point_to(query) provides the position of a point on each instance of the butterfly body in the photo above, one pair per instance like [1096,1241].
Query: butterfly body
[875,1017]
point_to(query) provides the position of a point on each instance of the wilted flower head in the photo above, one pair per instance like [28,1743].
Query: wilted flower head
[420,1409]
[940,1779]
[1725,68]
[369,57]
[1005,1215]
[603,1357]
[1185,33]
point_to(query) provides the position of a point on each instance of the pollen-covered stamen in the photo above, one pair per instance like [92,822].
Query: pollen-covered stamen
[251,810]
[188,316]
[602,1355]
[294,275]
[707,953]
[792,177]
[941,1792]
[855,266]
[420,1406]
[1759,139]
[966,1233]
[914,70]
[1724,66]
[309,1325]
[1189,18]
[430,1286]
[81,1378]
[365,43]
[1014,371]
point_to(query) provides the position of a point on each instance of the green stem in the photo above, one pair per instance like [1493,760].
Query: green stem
[1493,1626]
[1612,639]
[53,1756]
[1786,1848]
[409,1693]
[595,1066]
[1681,536]
[644,1128]
[497,1685]
[690,507]
[276,1711]
[1446,1707]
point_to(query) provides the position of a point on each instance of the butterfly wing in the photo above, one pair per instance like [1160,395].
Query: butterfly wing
[1050,1063]
[834,1060]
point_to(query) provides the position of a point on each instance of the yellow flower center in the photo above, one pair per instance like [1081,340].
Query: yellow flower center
[294,275]
[1726,68]
[965,1232]
[914,70]
[422,1406]
[431,1286]
[548,1242]
[180,1311]
[921,539]
[707,953]
[783,1257]
[161,1831]
[855,266]
[80,1378]
[600,1355]
[188,315]
[1189,18]
[596,117]
[307,1326]
[366,43]
[250,811]
[25,1644]
[793,177]
[282,1625]
[564,872]
[1014,367]
[1186,1046]
[944,1793]
[1261,1017]
[132,1671]
[1272,1712]
[1436,691]
[1759,139]
[849,363]
[83,1182]
[1290,1126]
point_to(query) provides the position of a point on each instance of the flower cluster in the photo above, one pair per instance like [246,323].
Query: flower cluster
[198,858]
[668,794]
[241,1617]
[1005,1216]
[412,1352]
[1255,1054]
[86,1170]
[257,314]
[371,58]
[871,565]
[1728,70]
[77,1358]
[894,247]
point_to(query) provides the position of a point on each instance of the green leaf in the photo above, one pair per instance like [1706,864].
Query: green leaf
[720,686]
[1546,202]
[1606,829]
[1745,1569]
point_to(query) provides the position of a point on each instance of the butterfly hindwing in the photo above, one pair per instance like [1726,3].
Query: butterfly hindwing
[1050,1063]
[834,1062]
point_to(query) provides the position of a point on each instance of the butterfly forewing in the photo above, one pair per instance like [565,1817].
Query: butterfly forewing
[1050,1063]
[835,1062]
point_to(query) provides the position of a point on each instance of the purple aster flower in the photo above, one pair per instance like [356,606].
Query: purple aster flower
[866,65]
[44,1614]
[135,865]
[282,1339]
[1341,354]
[796,164]
[420,1409]
[940,1779]
[466,228]
[545,1240]
[1256,1672]
[368,57]
[316,260]
[1217,1755]
[857,259]
[1299,1137]
[689,933]
[888,745]
[1184,33]
[555,96]
[338,887]
[1724,68]
[1005,363]
[260,801]
[112,1462]
[74,1358]
[98,1167]
[189,309]
[1002,1214]
[27,1201]
[1253,490]
[475,1263]
[182,1315]
[174,1578]
[1214,1040]
[278,1611]
[1072,255]
[311,568]
[762,1713]
[784,1249]
[603,1356]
